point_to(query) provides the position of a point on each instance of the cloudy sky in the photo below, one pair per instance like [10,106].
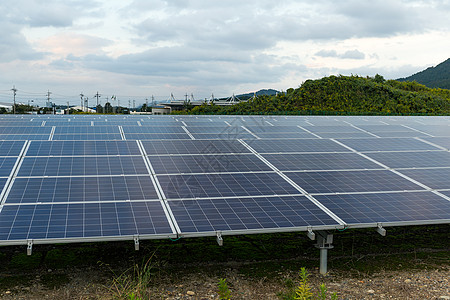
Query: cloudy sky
[138,48]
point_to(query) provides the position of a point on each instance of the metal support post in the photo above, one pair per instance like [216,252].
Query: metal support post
[219,238]
[29,247]
[136,242]
[324,242]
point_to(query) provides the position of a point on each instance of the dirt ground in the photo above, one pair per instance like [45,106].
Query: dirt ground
[93,283]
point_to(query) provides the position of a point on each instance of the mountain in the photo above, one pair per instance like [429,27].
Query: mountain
[269,92]
[434,77]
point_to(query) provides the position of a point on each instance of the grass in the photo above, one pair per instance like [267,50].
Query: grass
[360,252]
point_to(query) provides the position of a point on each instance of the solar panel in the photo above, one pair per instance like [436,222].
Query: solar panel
[224,185]
[81,189]
[11,148]
[194,147]
[415,207]
[433,178]
[83,148]
[87,137]
[440,141]
[387,144]
[194,216]
[6,165]
[87,130]
[351,181]
[319,161]
[85,220]
[413,159]
[157,136]
[79,166]
[87,177]
[299,145]
[152,129]
[207,164]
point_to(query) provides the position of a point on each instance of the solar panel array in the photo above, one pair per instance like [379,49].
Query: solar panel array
[88,178]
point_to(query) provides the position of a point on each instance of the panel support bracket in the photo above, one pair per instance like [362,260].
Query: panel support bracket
[381,230]
[29,247]
[136,242]
[324,242]
[311,234]
[219,238]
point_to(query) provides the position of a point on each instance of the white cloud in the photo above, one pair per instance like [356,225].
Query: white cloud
[137,47]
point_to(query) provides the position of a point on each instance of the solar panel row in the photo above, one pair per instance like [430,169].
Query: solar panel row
[115,177]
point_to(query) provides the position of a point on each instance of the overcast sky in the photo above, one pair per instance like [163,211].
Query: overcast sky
[138,48]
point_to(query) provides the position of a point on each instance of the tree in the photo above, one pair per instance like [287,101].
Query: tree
[99,109]
[108,108]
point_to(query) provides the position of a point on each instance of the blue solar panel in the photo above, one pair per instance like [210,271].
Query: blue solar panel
[157,136]
[6,165]
[247,214]
[412,159]
[194,147]
[440,141]
[344,135]
[87,137]
[387,144]
[24,137]
[152,129]
[319,161]
[433,178]
[25,130]
[11,148]
[387,207]
[207,164]
[400,134]
[83,189]
[2,183]
[284,135]
[86,220]
[351,181]
[74,148]
[332,129]
[300,145]
[273,129]
[224,185]
[230,135]
[76,166]
[87,130]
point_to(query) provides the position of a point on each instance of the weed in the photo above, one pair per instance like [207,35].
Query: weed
[224,291]
[133,284]
[304,291]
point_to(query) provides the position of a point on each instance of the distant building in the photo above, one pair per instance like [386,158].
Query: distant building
[7,106]
[161,110]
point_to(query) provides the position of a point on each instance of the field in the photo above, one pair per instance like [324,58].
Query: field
[408,263]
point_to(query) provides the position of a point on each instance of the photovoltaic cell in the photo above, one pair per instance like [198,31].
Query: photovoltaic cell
[10,148]
[24,137]
[83,148]
[344,135]
[440,141]
[83,189]
[300,145]
[6,165]
[153,129]
[387,144]
[399,134]
[412,159]
[247,214]
[207,164]
[87,137]
[25,130]
[433,178]
[194,147]
[87,130]
[351,181]
[157,136]
[224,185]
[77,166]
[319,161]
[387,207]
[224,136]
[86,220]
[332,129]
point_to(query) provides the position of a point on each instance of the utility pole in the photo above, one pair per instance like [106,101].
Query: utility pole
[86,104]
[153,101]
[82,107]
[134,104]
[68,108]
[14,95]
[48,97]
[96,96]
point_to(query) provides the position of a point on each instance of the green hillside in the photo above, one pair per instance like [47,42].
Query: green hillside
[344,95]
[434,77]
